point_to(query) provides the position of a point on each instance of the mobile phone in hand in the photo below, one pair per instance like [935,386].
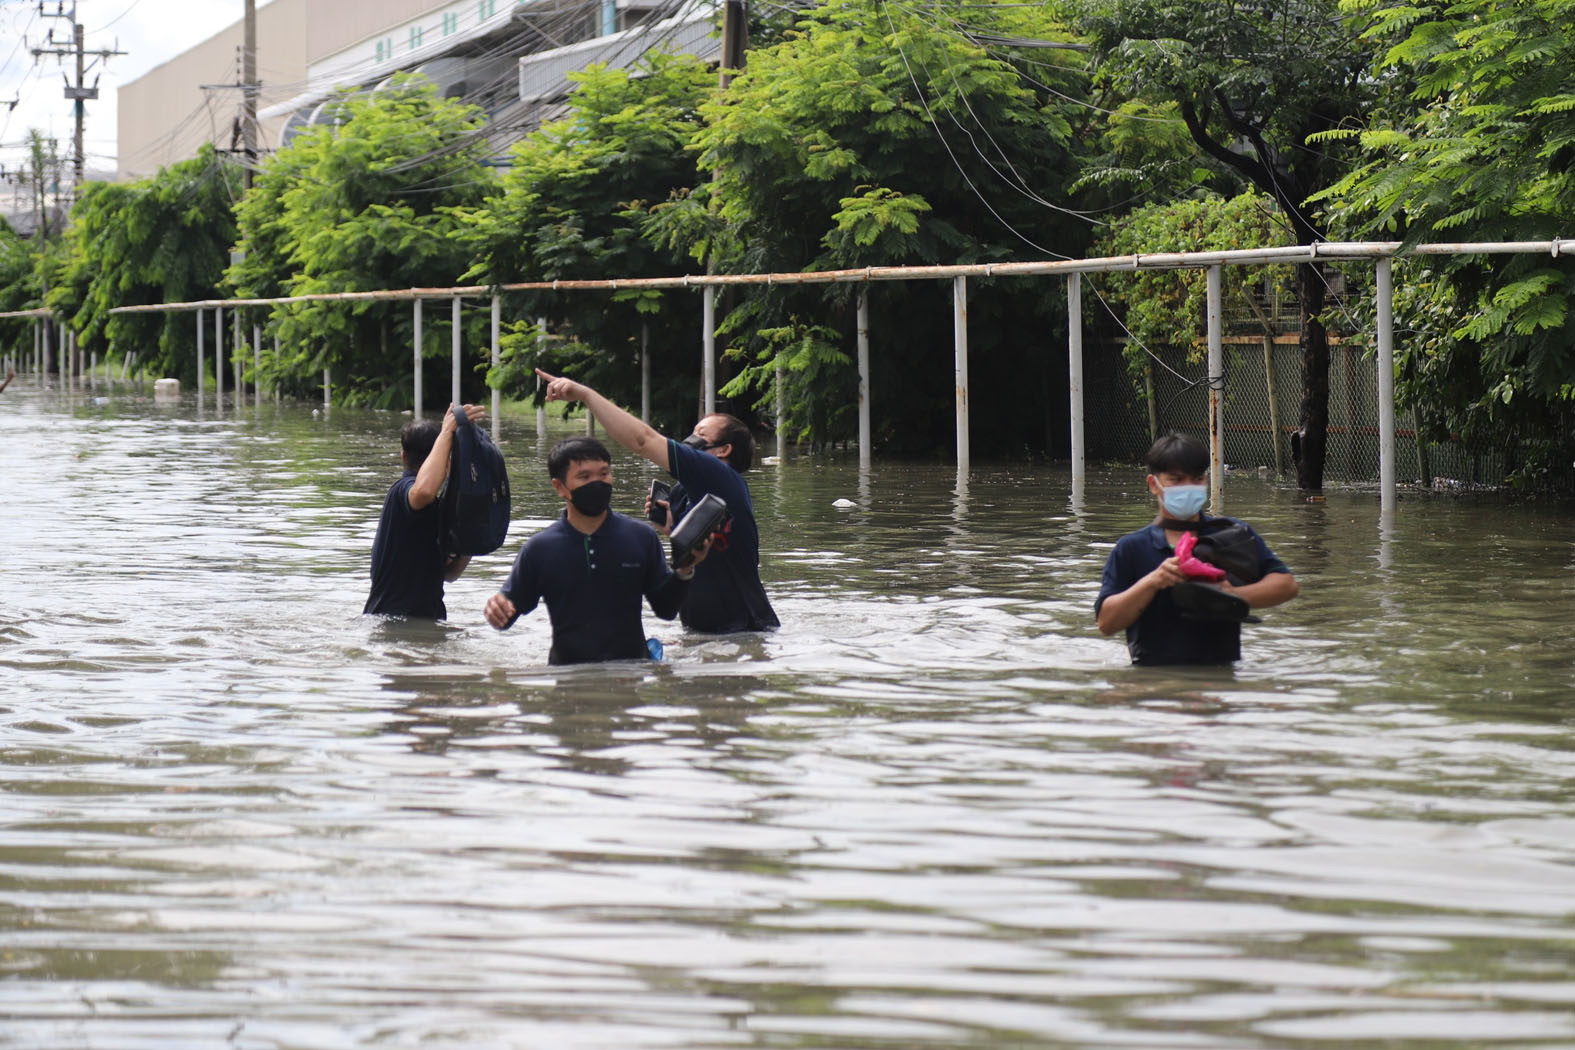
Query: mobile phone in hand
[658,514]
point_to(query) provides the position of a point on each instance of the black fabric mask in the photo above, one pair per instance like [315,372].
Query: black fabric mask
[592,498]
[697,441]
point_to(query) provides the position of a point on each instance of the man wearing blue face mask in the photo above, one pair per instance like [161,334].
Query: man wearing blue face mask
[1170,617]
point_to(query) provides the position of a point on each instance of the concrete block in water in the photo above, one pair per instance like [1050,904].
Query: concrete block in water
[166,390]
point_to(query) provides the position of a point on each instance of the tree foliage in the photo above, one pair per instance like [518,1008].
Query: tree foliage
[1477,144]
[575,204]
[1256,85]
[1251,82]
[162,239]
[1168,307]
[875,134]
[374,200]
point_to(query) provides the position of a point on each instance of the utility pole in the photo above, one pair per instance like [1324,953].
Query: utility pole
[735,38]
[249,88]
[80,92]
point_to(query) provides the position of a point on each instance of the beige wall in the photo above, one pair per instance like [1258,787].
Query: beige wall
[165,114]
[332,27]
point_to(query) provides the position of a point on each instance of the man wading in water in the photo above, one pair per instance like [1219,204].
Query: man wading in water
[408,564]
[1169,616]
[727,595]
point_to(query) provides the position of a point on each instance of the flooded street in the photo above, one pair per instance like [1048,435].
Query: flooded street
[935,810]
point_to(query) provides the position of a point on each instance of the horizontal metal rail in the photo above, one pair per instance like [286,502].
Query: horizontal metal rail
[1156,261]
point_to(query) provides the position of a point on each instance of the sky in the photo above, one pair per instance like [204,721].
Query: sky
[149,31]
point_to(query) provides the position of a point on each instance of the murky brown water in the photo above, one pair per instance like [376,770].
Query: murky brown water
[935,810]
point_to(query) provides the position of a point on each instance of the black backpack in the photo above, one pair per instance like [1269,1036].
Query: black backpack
[476,501]
[1233,547]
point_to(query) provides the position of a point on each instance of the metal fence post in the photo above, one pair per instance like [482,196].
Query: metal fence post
[218,358]
[645,372]
[1074,363]
[415,367]
[781,408]
[497,359]
[960,356]
[201,364]
[458,343]
[863,343]
[541,346]
[708,350]
[1386,386]
[1216,393]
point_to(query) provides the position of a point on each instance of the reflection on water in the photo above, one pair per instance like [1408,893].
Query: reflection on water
[935,810]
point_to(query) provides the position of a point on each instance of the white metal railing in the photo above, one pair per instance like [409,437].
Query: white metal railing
[1382,252]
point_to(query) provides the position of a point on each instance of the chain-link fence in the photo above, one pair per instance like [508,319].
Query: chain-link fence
[1263,393]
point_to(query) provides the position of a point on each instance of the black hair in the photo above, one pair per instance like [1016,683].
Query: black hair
[416,439]
[735,433]
[574,450]
[1175,453]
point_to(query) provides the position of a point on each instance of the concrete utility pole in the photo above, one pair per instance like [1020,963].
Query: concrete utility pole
[249,88]
[79,93]
[735,38]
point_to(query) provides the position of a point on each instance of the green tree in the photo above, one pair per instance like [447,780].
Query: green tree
[1253,83]
[1168,307]
[25,262]
[16,270]
[1476,143]
[876,134]
[161,239]
[372,201]
[574,205]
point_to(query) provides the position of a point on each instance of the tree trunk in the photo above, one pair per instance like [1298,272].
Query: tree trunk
[1310,448]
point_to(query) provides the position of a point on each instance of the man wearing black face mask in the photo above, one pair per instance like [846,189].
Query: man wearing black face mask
[727,595]
[592,566]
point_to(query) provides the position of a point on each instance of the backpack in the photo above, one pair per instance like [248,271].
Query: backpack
[476,501]
[1231,546]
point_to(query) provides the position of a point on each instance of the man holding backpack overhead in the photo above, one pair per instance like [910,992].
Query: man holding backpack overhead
[409,561]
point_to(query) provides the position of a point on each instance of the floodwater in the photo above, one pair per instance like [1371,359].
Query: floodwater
[936,810]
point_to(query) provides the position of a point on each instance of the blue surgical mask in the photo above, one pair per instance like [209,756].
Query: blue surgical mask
[1183,501]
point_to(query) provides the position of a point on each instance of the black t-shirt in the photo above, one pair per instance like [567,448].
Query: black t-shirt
[407,562]
[592,586]
[726,595]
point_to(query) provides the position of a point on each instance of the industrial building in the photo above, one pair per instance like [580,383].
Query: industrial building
[511,57]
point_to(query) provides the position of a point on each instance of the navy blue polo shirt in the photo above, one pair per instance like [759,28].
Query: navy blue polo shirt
[1161,635]
[593,585]
[407,560]
[726,595]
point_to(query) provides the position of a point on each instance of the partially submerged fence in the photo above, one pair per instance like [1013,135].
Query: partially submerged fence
[1382,254]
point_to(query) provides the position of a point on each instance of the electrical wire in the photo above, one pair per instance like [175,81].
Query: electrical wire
[1015,180]
[118,17]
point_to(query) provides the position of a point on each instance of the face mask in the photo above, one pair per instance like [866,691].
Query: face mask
[1183,501]
[592,498]
[698,441]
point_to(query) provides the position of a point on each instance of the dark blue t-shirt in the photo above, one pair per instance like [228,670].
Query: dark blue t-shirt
[592,586]
[1161,635]
[407,561]
[727,594]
